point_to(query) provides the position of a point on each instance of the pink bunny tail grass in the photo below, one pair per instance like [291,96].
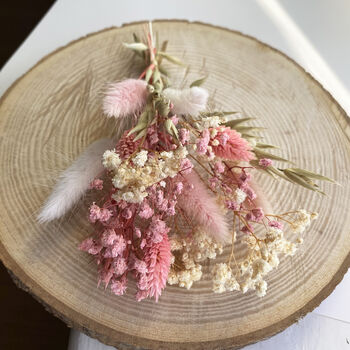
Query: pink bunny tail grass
[158,260]
[232,146]
[199,204]
[125,98]
[187,101]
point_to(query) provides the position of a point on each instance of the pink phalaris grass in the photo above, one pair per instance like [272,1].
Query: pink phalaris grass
[125,98]
[232,146]
[157,259]
[199,204]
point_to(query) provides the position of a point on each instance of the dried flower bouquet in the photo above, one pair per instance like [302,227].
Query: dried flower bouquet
[180,187]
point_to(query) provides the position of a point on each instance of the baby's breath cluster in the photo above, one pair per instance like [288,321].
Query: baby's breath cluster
[188,252]
[263,255]
[133,176]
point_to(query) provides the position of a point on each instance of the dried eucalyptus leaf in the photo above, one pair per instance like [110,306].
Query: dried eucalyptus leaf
[310,174]
[199,82]
[136,46]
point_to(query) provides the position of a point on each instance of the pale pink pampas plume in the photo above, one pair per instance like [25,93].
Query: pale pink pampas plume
[200,205]
[125,98]
[75,181]
[188,101]
[232,146]
[158,259]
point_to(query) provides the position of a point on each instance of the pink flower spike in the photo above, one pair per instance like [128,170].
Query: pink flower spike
[265,162]
[234,146]
[125,98]
[157,259]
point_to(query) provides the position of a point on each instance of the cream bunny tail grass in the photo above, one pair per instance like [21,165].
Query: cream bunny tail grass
[188,101]
[75,181]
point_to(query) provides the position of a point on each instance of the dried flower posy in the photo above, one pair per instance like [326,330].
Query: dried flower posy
[178,188]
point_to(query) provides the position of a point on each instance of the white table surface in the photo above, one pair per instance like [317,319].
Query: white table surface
[315,33]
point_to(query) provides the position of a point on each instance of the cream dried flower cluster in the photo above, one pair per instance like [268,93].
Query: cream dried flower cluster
[262,257]
[188,253]
[133,177]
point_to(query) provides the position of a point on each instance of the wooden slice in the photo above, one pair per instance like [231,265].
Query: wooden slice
[53,112]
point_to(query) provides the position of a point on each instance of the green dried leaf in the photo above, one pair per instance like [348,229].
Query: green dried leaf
[199,82]
[300,181]
[278,172]
[170,58]
[164,45]
[262,154]
[149,73]
[244,129]
[219,114]
[310,174]
[136,46]
[176,134]
[156,76]
[162,70]
[235,122]
[251,136]
[141,134]
[139,126]
[265,145]
[168,126]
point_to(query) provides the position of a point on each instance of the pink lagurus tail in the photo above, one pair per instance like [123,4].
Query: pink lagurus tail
[232,146]
[125,98]
[198,203]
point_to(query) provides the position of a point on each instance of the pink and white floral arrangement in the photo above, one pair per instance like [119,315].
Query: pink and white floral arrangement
[177,187]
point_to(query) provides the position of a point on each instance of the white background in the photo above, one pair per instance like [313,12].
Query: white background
[315,33]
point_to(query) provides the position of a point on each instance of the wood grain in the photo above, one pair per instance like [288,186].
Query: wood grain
[50,114]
